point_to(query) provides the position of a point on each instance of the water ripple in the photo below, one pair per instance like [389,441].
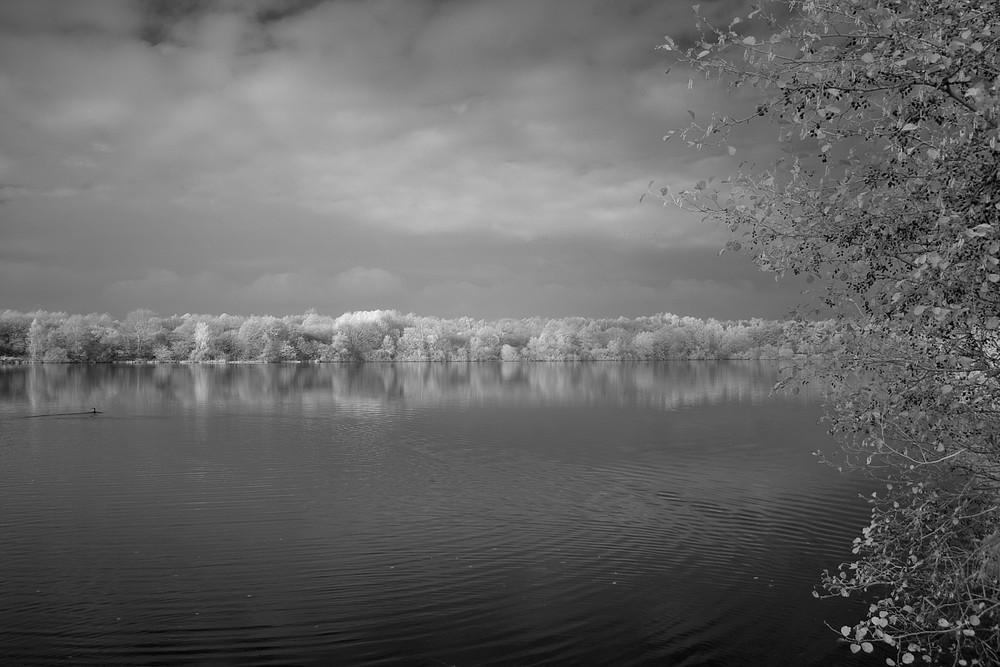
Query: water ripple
[447,531]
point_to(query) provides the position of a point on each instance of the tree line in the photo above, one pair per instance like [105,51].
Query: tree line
[387,335]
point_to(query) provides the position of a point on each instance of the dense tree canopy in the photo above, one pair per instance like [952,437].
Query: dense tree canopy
[886,197]
[386,335]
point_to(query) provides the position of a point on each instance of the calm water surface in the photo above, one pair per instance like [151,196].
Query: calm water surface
[417,514]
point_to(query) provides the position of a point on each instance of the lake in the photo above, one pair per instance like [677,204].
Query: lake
[418,514]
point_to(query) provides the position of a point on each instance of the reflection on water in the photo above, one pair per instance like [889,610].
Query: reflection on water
[426,514]
[656,385]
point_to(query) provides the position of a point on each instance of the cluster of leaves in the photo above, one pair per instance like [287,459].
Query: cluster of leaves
[931,554]
[386,335]
[887,198]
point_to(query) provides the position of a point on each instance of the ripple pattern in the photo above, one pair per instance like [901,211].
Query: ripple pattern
[460,532]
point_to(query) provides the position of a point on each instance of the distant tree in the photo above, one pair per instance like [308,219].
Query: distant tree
[202,338]
[139,329]
[37,340]
[620,345]
[227,345]
[485,345]
[363,332]
[317,327]
[264,338]
[79,337]
[887,200]
[509,353]
[412,344]
[735,342]
[14,333]
[352,337]
[385,352]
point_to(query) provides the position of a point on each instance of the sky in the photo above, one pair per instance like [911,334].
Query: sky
[479,158]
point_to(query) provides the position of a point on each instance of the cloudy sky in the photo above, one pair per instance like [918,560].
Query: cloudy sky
[443,157]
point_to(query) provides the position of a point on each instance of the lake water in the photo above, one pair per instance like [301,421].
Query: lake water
[418,514]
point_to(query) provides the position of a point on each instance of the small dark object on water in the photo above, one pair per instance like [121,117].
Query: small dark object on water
[93,411]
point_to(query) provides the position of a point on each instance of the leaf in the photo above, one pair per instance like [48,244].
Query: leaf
[867,647]
[731,149]
[909,127]
[868,58]
[750,41]
[855,648]
[933,153]
[845,630]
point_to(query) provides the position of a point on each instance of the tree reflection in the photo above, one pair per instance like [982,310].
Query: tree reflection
[666,385]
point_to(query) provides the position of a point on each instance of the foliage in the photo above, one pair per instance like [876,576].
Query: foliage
[139,329]
[886,199]
[14,334]
[386,335]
